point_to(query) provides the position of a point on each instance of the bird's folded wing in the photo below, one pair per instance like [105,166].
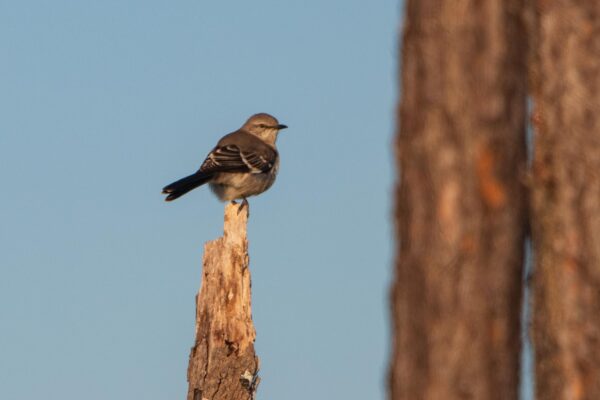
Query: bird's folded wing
[231,158]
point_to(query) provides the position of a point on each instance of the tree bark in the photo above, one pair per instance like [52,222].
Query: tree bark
[223,365]
[566,199]
[460,201]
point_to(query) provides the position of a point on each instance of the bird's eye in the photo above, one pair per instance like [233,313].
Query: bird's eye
[262,126]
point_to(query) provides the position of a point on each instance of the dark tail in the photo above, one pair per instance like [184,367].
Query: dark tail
[184,185]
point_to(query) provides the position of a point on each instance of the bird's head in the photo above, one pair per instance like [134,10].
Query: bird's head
[264,126]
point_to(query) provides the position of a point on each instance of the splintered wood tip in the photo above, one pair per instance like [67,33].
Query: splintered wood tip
[236,221]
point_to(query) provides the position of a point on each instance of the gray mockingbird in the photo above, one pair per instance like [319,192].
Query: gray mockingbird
[244,163]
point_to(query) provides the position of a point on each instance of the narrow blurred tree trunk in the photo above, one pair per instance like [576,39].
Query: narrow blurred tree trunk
[223,365]
[460,203]
[566,199]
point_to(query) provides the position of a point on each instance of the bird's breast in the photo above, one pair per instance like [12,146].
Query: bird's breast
[232,186]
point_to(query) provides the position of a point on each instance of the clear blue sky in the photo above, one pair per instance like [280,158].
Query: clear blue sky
[105,102]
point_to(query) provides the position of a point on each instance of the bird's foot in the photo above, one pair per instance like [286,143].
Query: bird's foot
[243,204]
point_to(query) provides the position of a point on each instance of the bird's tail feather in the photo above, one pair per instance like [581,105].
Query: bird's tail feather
[184,185]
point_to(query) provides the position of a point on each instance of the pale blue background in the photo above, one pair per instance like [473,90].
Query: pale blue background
[103,103]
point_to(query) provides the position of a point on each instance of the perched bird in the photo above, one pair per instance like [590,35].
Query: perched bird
[244,163]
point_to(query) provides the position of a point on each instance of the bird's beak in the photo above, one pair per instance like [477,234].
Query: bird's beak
[281,126]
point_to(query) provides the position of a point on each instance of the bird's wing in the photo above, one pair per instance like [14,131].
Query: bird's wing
[231,158]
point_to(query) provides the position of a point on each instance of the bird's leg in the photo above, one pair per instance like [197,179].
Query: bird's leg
[243,204]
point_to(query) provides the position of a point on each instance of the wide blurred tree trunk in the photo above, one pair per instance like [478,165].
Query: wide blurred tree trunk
[460,201]
[566,198]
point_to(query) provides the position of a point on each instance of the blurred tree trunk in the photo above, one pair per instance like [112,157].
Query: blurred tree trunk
[566,198]
[460,203]
[223,365]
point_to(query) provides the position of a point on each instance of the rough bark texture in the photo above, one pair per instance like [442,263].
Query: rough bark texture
[223,365]
[566,198]
[461,204]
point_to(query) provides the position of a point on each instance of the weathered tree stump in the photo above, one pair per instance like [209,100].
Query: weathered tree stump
[223,365]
